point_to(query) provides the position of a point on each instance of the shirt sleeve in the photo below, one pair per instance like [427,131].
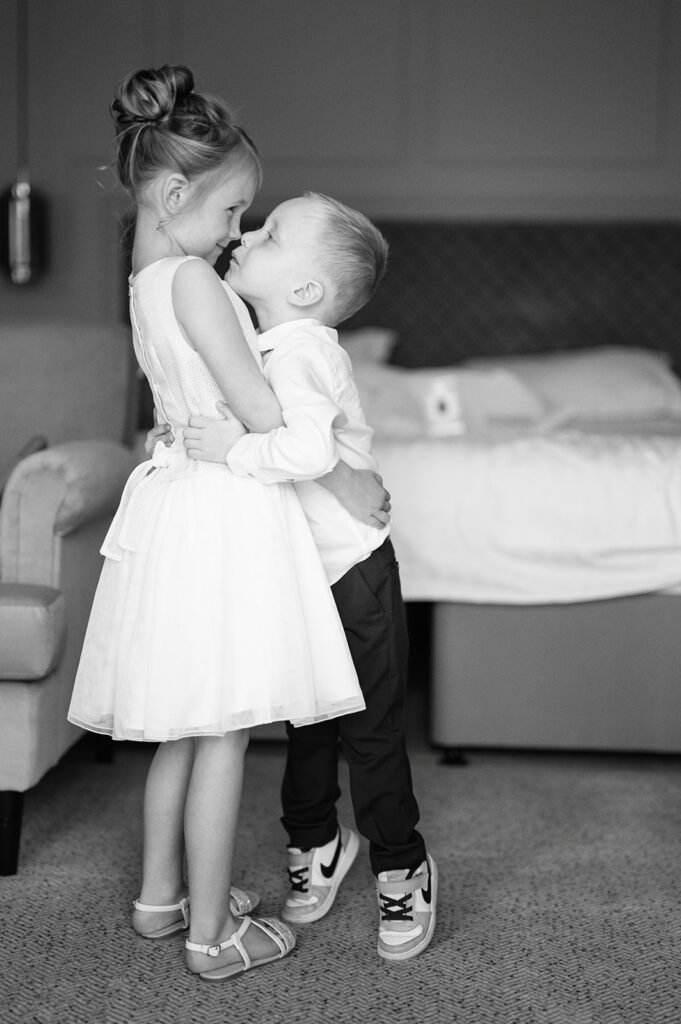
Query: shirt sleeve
[305,447]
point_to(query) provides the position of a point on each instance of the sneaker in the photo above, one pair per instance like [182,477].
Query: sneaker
[406,902]
[315,875]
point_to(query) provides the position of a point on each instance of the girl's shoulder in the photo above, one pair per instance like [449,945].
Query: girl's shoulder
[199,294]
[195,275]
[193,267]
[195,281]
[167,266]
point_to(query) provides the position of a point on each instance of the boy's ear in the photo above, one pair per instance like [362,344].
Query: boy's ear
[174,191]
[308,294]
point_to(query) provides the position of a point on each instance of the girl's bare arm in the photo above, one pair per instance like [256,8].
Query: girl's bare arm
[211,326]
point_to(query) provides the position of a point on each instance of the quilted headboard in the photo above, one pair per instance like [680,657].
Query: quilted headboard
[458,290]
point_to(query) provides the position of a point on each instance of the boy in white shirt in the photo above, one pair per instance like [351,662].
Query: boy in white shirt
[313,263]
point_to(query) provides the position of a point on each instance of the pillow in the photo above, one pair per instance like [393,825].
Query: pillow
[445,402]
[409,403]
[368,344]
[495,400]
[607,383]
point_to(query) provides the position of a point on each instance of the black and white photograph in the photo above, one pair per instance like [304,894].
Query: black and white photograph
[340,511]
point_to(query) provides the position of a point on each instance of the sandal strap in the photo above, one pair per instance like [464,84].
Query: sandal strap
[238,898]
[149,908]
[269,926]
[217,947]
[265,924]
[241,901]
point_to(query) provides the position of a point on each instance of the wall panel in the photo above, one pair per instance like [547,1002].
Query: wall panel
[546,82]
[314,81]
[8,107]
[422,108]
[78,49]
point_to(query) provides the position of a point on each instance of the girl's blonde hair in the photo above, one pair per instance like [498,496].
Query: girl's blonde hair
[163,124]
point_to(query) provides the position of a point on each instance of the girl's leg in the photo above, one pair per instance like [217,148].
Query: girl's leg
[163,852]
[164,805]
[211,819]
[210,822]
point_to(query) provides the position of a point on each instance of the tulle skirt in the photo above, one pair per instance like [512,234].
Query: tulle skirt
[212,612]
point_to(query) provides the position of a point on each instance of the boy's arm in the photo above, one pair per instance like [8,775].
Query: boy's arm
[304,449]
[159,432]
[360,491]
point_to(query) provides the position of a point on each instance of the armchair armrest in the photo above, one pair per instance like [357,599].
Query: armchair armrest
[51,494]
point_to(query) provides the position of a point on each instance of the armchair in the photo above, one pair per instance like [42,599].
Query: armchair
[56,507]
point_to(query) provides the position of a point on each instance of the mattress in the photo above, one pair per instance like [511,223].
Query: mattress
[571,515]
[541,326]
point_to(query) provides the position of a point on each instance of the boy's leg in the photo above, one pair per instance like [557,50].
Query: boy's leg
[309,789]
[370,604]
[319,853]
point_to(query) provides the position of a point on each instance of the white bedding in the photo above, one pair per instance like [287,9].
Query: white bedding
[566,516]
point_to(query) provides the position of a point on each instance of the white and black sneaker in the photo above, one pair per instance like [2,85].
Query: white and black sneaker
[315,876]
[406,901]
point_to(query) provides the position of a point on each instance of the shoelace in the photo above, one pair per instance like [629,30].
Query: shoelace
[299,878]
[397,908]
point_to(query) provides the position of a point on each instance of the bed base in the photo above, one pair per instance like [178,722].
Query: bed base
[599,676]
[594,676]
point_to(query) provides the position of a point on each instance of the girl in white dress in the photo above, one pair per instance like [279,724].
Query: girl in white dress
[213,613]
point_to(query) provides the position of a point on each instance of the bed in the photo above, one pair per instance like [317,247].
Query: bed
[522,380]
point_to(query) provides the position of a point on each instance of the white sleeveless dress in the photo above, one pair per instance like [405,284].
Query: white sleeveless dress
[213,611]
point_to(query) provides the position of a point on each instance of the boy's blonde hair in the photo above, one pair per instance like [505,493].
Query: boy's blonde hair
[354,257]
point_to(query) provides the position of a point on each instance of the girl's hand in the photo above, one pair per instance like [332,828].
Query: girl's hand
[361,492]
[209,440]
[159,432]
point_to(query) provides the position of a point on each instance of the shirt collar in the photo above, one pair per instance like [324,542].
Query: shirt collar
[268,340]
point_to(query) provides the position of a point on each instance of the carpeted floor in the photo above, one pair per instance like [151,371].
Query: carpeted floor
[560,902]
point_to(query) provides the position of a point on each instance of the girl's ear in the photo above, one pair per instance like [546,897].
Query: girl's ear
[308,294]
[174,192]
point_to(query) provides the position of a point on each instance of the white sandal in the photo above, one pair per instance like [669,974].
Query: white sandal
[281,935]
[240,902]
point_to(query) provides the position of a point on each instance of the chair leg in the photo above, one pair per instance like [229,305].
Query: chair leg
[11,807]
[103,747]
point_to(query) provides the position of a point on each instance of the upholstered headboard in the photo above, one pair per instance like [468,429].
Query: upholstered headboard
[458,290]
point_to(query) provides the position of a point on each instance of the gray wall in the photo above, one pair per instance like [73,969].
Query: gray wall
[405,108]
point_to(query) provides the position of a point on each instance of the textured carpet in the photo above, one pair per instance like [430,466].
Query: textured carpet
[559,902]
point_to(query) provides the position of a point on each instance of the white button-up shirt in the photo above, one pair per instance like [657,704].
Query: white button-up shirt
[311,375]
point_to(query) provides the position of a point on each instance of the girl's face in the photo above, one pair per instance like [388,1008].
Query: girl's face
[210,220]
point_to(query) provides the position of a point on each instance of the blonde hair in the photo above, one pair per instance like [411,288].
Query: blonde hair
[163,124]
[354,256]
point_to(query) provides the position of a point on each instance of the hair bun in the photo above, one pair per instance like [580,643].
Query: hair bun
[151,96]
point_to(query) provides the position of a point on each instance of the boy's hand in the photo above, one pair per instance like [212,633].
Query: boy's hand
[210,440]
[361,492]
[369,501]
[159,432]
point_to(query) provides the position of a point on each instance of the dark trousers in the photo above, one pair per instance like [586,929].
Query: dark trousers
[369,602]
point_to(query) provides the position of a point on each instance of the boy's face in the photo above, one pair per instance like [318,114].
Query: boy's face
[281,256]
